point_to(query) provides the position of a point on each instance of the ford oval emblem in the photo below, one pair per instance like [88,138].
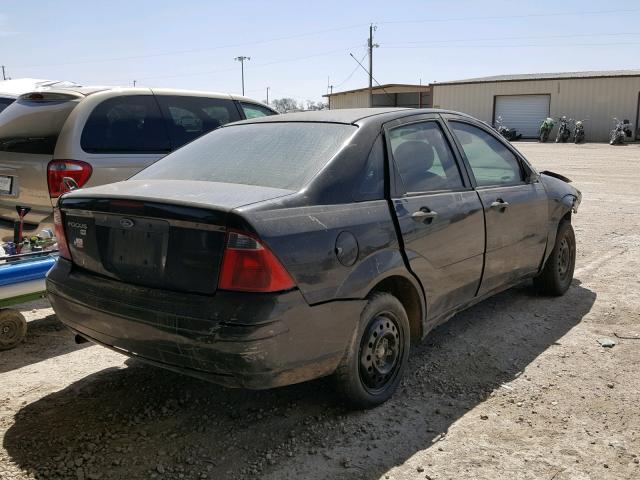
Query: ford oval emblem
[126,223]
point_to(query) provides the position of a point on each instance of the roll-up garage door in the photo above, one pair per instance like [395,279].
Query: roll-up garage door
[522,112]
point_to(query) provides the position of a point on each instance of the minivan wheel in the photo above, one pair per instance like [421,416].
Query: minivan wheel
[373,366]
[13,328]
[557,274]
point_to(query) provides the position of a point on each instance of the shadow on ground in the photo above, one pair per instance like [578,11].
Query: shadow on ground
[46,338]
[140,421]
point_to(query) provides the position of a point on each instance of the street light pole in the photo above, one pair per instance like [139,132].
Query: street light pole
[268,95]
[241,59]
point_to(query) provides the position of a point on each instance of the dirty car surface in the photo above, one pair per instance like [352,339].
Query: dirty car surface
[278,250]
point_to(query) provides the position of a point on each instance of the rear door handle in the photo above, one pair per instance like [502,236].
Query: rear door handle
[499,203]
[423,214]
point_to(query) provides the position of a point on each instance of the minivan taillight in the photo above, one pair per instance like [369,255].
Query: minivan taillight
[249,266]
[61,238]
[58,170]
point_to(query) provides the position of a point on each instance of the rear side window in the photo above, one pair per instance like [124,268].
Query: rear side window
[423,158]
[33,126]
[191,117]
[252,110]
[127,124]
[283,155]
[372,183]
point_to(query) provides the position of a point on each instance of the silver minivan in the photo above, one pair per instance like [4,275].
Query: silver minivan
[54,139]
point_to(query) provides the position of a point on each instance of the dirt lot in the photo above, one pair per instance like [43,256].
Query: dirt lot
[517,387]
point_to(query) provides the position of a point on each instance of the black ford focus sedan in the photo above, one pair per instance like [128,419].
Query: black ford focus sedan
[278,250]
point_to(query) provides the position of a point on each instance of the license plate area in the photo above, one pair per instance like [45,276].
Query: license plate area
[136,248]
[6,185]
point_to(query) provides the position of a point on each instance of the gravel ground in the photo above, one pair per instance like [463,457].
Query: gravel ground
[517,387]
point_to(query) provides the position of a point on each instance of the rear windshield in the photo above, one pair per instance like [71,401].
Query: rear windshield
[33,126]
[278,155]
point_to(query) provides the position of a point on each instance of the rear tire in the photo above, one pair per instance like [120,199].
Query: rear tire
[372,367]
[13,328]
[557,274]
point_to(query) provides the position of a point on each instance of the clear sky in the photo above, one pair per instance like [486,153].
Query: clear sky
[295,45]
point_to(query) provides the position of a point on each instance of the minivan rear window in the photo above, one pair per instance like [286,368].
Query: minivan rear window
[282,155]
[33,126]
[5,102]
[126,124]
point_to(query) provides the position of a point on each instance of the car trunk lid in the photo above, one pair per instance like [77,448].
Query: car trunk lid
[173,240]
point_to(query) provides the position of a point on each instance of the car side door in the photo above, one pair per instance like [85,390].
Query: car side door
[439,215]
[514,203]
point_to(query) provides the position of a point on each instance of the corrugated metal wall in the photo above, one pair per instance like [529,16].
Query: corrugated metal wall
[349,100]
[595,99]
[360,99]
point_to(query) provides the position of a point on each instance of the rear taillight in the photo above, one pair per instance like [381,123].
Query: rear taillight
[249,266]
[63,247]
[59,170]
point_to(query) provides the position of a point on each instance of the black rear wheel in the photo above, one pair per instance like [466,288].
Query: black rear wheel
[372,368]
[557,274]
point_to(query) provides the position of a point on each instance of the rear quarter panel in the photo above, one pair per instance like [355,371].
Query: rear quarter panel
[304,239]
[560,199]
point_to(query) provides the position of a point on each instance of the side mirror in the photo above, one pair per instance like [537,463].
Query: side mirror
[533,177]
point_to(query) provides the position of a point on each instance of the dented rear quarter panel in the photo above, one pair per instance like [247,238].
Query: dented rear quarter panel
[562,199]
[304,239]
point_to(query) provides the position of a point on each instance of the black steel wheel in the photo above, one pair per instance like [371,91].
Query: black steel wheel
[557,274]
[373,365]
[380,352]
[13,328]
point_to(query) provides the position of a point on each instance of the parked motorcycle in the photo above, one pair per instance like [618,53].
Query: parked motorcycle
[621,131]
[564,132]
[510,134]
[578,131]
[545,128]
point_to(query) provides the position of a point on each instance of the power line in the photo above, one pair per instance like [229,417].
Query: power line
[320,32]
[509,17]
[257,65]
[456,40]
[502,45]
[196,50]
[371,77]
[351,74]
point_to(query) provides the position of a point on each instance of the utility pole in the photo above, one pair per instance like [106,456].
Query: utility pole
[330,93]
[4,76]
[268,95]
[371,45]
[242,59]
[134,83]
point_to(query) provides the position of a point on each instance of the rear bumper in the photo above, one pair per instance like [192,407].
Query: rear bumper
[236,339]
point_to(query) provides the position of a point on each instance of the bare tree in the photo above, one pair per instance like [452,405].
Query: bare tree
[284,105]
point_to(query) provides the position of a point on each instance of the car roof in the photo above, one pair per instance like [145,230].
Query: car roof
[88,90]
[348,116]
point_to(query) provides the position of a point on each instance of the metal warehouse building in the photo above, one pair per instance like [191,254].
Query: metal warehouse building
[388,95]
[524,100]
